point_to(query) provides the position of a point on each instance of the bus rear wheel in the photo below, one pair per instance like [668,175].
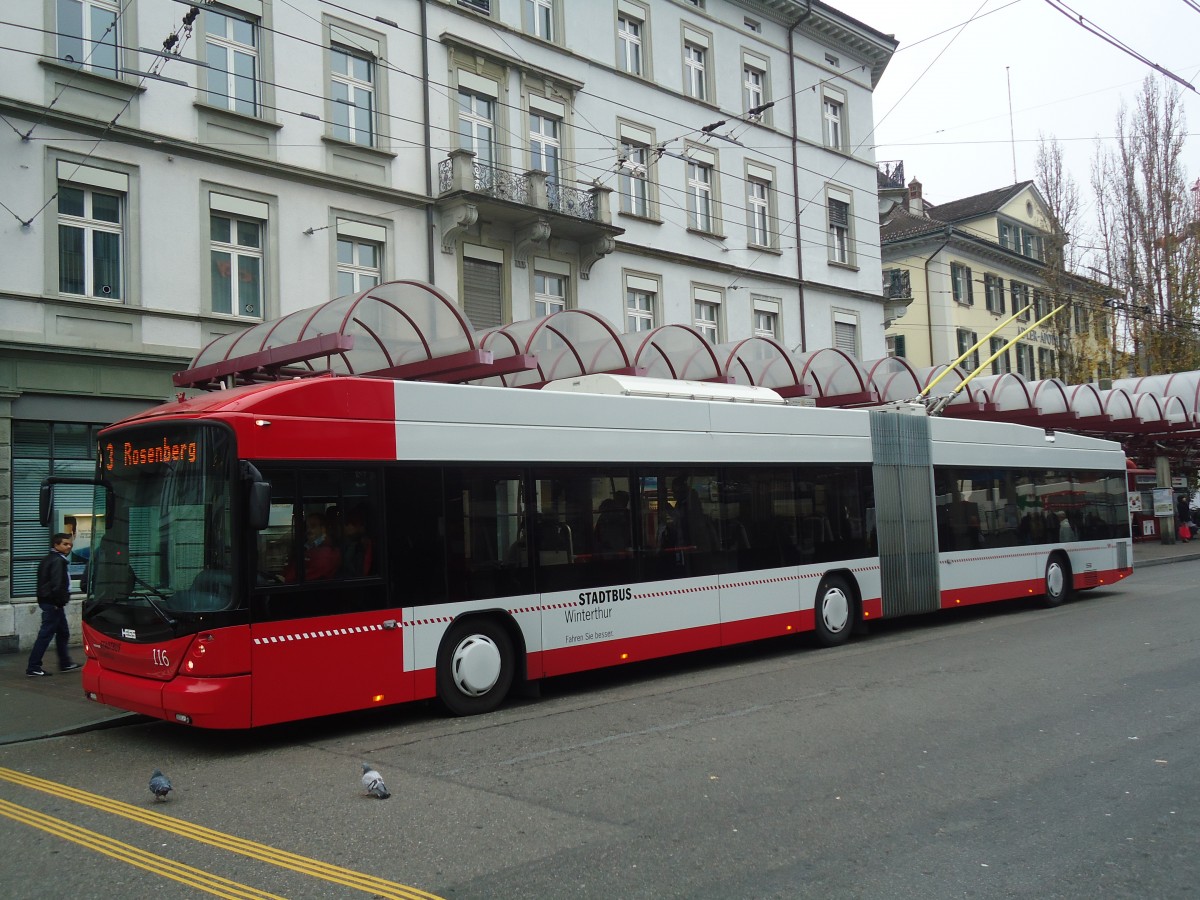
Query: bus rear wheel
[1058,580]
[475,667]
[834,611]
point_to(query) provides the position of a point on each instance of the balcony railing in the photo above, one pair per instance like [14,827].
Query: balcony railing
[890,173]
[463,172]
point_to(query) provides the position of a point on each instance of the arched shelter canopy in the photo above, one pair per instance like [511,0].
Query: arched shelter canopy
[673,351]
[401,329]
[893,378]
[837,377]
[1183,385]
[762,362]
[564,344]
[1008,393]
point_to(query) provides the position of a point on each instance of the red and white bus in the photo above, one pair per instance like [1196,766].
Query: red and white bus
[313,546]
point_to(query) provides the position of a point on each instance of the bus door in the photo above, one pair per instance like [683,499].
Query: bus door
[324,637]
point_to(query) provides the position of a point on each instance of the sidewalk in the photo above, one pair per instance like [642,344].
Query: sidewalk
[32,708]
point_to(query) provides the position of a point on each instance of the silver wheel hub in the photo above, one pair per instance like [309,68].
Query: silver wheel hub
[835,610]
[1054,580]
[476,665]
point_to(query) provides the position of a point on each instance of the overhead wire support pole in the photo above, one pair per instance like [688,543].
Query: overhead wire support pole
[942,402]
[979,343]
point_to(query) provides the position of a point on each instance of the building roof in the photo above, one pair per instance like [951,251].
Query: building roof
[900,224]
[978,205]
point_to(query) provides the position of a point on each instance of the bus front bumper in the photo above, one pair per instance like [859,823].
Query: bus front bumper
[203,702]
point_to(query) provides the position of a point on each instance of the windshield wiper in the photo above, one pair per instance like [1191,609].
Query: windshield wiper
[153,590]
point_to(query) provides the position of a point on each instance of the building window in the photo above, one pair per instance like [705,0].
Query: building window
[483,288]
[1020,298]
[629,43]
[549,294]
[231,53]
[40,449]
[699,196]
[353,94]
[357,265]
[961,285]
[544,146]
[752,25]
[839,230]
[539,18]
[237,265]
[833,107]
[993,293]
[1025,361]
[90,229]
[634,180]
[695,76]
[706,308]
[476,128]
[753,88]
[1047,363]
[639,310]
[832,60]
[1022,239]
[895,345]
[766,318]
[1081,317]
[967,339]
[1000,364]
[758,211]
[845,333]
[483,6]
[87,35]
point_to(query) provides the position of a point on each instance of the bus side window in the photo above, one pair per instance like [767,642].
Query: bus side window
[358,543]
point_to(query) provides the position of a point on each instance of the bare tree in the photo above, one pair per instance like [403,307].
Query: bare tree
[1148,228]
[1081,330]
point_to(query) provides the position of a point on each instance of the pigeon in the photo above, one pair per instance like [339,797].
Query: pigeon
[160,785]
[373,783]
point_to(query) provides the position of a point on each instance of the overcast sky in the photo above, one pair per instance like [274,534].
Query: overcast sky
[950,125]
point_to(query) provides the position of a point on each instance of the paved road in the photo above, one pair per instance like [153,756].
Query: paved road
[1004,752]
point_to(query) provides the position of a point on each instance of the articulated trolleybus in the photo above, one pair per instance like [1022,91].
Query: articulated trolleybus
[300,548]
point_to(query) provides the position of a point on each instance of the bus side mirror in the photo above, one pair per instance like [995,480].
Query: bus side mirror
[258,512]
[45,502]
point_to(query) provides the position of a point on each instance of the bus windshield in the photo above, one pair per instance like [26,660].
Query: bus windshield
[163,553]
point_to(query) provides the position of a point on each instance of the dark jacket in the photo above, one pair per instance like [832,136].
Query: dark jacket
[53,583]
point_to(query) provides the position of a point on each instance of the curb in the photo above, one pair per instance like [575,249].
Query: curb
[116,721]
[1163,560]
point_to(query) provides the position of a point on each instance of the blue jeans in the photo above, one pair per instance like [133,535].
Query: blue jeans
[54,625]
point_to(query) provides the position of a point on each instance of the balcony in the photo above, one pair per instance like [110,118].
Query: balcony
[531,204]
[889,174]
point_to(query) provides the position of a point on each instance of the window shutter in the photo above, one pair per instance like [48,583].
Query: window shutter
[482,298]
[899,345]
[845,337]
[970,286]
[839,214]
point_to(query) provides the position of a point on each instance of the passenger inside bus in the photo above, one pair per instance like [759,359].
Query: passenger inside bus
[321,559]
[613,531]
[358,548]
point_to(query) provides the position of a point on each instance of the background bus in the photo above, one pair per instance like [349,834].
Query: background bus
[315,546]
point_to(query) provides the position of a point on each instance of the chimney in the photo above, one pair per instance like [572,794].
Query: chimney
[916,205]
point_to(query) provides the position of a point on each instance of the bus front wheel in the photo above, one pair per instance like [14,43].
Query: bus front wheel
[834,611]
[475,667]
[1058,580]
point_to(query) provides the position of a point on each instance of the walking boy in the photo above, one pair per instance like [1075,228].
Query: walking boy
[53,593]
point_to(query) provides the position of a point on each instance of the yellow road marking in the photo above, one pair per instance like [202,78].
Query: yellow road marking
[262,852]
[134,856]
